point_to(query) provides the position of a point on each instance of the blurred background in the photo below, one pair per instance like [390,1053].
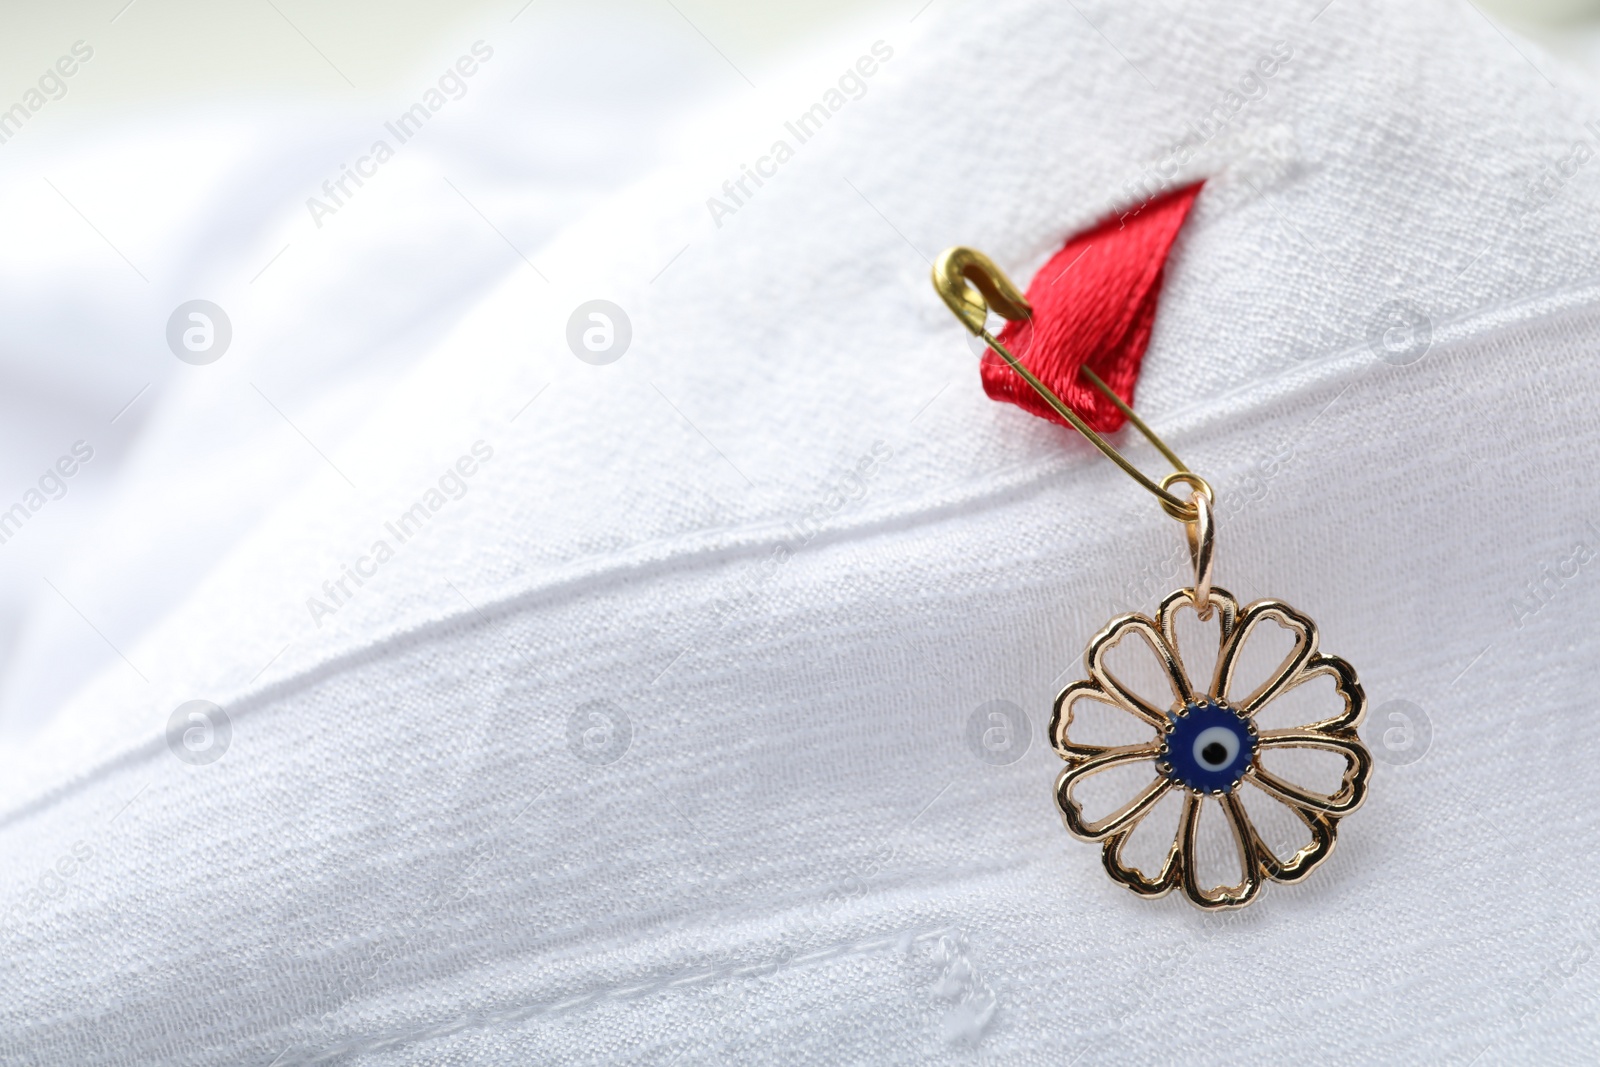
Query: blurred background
[178,162]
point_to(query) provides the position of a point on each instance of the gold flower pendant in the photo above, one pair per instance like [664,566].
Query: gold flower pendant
[1206,746]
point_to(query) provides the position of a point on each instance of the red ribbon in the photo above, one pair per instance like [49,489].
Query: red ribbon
[1093,304]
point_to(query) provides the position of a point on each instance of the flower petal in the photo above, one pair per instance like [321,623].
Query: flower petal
[1062,718]
[1108,638]
[1130,875]
[1351,697]
[1322,831]
[1244,839]
[1353,782]
[1287,672]
[1123,817]
[1201,660]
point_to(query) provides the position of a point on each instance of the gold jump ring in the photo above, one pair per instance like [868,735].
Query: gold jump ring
[1202,545]
[1184,512]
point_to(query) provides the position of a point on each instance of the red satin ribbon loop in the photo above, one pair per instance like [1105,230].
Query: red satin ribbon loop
[1094,303]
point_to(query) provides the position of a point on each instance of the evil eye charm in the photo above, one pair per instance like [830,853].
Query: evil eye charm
[1204,747]
[1207,746]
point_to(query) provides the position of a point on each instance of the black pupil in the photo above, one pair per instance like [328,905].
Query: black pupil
[1214,753]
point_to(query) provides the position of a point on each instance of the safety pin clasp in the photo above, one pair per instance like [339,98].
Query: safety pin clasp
[971,286]
[958,271]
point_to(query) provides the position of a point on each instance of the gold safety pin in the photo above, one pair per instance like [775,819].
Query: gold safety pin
[972,286]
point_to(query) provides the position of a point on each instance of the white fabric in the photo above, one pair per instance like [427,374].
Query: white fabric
[400,859]
[326,317]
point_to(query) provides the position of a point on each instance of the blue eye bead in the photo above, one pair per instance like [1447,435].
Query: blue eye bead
[1207,746]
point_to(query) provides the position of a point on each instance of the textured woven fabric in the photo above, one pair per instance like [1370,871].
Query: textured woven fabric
[653,741]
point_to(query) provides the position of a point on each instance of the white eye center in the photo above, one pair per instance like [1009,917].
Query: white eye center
[1216,747]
